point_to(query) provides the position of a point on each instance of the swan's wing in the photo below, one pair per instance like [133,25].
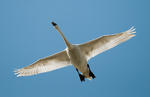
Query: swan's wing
[50,63]
[101,44]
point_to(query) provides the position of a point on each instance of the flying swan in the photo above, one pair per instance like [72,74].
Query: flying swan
[77,55]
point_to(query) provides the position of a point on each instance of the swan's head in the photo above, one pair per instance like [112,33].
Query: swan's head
[54,24]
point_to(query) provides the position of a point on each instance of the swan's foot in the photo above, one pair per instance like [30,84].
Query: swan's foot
[82,78]
[90,72]
[92,75]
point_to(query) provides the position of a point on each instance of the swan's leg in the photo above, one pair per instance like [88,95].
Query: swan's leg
[90,72]
[82,78]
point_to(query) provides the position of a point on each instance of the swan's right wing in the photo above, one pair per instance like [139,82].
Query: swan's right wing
[50,63]
[101,44]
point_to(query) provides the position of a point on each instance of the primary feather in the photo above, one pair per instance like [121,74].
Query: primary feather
[101,44]
[50,63]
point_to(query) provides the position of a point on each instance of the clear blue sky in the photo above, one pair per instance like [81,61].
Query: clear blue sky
[27,35]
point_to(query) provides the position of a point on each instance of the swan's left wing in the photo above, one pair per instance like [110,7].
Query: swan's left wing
[101,44]
[56,61]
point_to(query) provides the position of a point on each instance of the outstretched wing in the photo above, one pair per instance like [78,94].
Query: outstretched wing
[50,63]
[101,44]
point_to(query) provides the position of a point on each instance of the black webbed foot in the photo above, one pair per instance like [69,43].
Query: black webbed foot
[82,78]
[91,73]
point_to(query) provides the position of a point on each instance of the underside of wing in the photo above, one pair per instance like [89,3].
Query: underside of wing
[101,44]
[50,63]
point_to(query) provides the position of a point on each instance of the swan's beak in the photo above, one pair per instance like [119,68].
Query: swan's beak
[54,24]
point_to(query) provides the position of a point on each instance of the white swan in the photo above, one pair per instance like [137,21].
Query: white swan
[78,55]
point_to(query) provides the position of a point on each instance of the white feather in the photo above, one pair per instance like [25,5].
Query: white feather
[50,63]
[101,44]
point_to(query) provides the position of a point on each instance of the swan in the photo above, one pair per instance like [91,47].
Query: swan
[77,55]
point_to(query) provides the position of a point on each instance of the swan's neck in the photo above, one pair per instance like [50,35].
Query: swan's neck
[66,41]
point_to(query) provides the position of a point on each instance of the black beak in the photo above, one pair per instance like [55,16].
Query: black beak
[54,24]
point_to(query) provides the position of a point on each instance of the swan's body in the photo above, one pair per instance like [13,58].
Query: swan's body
[78,55]
[78,60]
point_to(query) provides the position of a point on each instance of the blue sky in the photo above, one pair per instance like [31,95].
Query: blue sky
[27,35]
